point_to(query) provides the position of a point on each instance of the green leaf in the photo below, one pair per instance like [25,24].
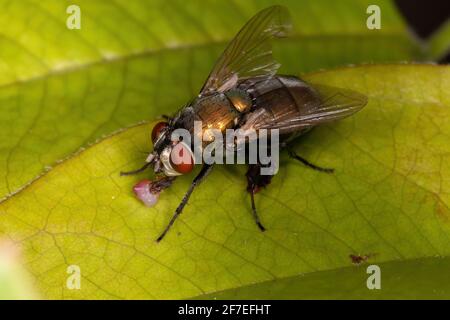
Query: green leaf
[411,279]
[388,199]
[62,89]
[440,42]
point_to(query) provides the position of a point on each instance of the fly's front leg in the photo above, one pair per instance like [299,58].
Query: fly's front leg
[256,181]
[206,169]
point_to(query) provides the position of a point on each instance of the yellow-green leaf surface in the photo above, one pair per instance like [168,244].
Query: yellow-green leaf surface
[388,199]
[61,89]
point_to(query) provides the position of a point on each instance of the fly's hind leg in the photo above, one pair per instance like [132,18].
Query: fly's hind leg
[256,181]
[295,156]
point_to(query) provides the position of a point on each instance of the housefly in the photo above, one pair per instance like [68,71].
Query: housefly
[243,91]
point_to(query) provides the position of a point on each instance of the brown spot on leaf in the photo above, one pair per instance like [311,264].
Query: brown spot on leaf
[359,259]
[442,211]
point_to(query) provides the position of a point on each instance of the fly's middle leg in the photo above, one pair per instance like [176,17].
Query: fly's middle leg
[295,156]
[137,171]
[256,181]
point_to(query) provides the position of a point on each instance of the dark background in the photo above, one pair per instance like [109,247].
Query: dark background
[425,16]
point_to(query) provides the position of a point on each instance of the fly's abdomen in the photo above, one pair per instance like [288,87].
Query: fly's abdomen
[277,99]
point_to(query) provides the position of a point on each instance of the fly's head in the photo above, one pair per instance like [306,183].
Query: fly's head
[170,157]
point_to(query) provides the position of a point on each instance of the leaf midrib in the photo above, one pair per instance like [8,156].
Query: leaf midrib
[153,52]
[69,157]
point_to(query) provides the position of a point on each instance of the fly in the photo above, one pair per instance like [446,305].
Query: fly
[243,91]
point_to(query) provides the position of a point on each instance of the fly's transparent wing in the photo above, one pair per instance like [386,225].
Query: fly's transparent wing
[250,53]
[329,104]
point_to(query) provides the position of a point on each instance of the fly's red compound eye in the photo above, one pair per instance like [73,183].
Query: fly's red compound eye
[181,158]
[160,126]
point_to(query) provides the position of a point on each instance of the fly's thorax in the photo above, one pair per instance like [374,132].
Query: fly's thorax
[214,113]
[240,100]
